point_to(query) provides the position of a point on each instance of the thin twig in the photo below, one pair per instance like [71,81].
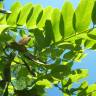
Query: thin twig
[5,88]
[28,68]
[73,35]
[78,33]
[56,85]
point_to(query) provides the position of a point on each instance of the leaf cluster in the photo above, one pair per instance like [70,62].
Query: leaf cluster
[59,38]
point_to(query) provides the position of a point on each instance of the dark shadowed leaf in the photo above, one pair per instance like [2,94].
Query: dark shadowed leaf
[94,14]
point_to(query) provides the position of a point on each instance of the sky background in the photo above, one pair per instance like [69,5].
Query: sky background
[89,62]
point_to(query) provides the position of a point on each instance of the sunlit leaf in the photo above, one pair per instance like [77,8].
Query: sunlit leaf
[55,25]
[45,83]
[83,14]
[35,15]
[68,25]
[3,28]
[78,74]
[12,18]
[23,16]
[45,16]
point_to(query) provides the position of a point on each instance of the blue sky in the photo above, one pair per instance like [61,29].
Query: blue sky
[44,3]
[89,62]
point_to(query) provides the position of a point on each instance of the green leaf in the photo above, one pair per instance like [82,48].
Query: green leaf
[69,55]
[24,14]
[1,5]
[91,88]
[92,34]
[78,74]
[48,32]
[93,47]
[56,53]
[45,83]
[79,36]
[10,89]
[37,13]
[79,57]
[89,43]
[3,28]
[59,71]
[20,77]
[67,13]
[55,25]
[2,19]
[66,45]
[12,18]
[84,85]
[40,40]
[61,26]
[20,83]
[83,14]
[94,13]
[87,90]
[46,16]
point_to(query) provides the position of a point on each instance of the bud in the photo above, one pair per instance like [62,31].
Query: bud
[24,40]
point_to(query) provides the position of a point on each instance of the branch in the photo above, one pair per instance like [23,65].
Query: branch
[28,68]
[78,33]
[73,35]
[5,91]
[7,72]
[33,58]
[56,85]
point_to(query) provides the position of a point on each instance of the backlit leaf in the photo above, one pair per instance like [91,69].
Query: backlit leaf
[24,14]
[55,24]
[12,18]
[67,13]
[37,10]
[83,14]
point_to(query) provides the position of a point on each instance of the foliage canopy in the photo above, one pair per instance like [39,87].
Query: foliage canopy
[58,39]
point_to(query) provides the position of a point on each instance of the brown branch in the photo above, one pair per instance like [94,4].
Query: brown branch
[7,73]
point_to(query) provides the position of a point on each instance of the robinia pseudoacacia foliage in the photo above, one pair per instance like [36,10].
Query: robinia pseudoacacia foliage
[57,39]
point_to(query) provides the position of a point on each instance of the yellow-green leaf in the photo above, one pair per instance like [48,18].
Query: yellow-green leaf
[12,18]
[67,13]
[78,74]
[55,25]
[3,27]
[45,83]
[83,14]
[31,23]
[24,14]
[46,15]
